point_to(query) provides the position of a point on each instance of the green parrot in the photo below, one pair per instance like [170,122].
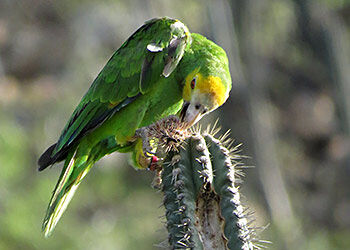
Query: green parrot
[161,70]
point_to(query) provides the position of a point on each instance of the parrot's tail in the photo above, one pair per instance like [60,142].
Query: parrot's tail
[47,159]
[65,188]
[78,163]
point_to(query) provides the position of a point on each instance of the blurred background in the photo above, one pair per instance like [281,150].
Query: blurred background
[289,106]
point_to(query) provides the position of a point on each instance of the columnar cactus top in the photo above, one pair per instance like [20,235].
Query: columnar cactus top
[201,196]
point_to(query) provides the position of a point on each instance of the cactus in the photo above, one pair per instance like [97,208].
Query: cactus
[202,202]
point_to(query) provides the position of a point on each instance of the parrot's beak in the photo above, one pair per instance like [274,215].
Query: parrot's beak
[191,113]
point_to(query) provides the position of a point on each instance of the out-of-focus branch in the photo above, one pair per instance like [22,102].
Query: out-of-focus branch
[328,38]
[262,125]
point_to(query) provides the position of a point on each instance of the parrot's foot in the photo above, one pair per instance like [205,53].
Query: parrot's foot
[147,150]
[158,129]
[157,139]
[163,133]
[145,134]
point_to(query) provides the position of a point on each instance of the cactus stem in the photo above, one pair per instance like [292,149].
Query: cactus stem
[199,181]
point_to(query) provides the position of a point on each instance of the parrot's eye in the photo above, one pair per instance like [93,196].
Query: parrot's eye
[193,83]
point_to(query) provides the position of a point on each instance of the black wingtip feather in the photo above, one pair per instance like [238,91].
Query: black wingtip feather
[46,158]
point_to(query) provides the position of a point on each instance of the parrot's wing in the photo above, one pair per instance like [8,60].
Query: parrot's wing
[152,52]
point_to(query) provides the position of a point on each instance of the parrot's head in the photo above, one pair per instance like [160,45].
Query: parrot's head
[208,81]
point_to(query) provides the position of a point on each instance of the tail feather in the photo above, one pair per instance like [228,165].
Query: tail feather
[51,220]
[47,159]
[77,165]
[63,193]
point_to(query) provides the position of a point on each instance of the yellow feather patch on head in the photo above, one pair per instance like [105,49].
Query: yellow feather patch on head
[211,85]
[214,87]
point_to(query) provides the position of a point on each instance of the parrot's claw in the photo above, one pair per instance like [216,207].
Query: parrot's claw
[147,134]
[148,152]
[143,133]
